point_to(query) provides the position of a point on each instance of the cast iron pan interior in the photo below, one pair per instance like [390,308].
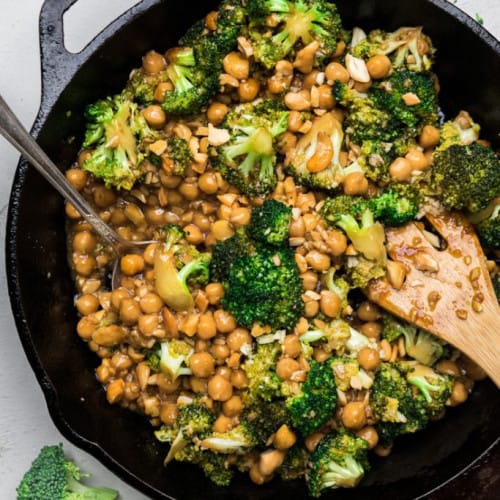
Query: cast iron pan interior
[41,291]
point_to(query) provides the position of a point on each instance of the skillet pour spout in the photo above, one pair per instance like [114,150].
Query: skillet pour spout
[455,458]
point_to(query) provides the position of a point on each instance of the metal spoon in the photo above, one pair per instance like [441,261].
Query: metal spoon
[12,129]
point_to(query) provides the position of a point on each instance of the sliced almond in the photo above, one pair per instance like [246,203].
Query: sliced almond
[357,69]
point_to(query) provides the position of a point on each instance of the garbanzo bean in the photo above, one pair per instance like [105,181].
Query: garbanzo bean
[318,260]
[87,304]
[284,438]
[109,335]
[189,190]
[130,311]
[206,326]
[429,137]
[313,440]
[292,346]
[216,113]
[330,303]
[147,323]
[353,415]
[219,388]
[379,66]
[237,338]
[208,183]
[104,197]
[371,329]
[151,303]
[335,71]
[169,413]
[368,311]
[417,159]
[240,216]
[132,264]
[309,280]
[270,460]
[84,242]
[220,351]
[214,292]
[161,91]
[248,90]
[193,234]
[459,393]
[155,116]
[235,64]
[370,435]
[448,367]
[84,264]
[311,308]
[233,406]
[222,230]
[222,424]
[286,367]
[355,183]
[77,178]
[202,364]
[325,97]
[153,62]
[400,169]
[368,358]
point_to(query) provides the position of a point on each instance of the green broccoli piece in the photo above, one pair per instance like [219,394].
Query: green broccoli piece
[466,176]
[435,388]
[260,368]
[460,131]
[344,369]
[195,78]
[335,207]
[488,229]
[357,341]
[52,476]
[118,134]
[419,344]
[141,85]
[394,404]
[339,461]
[265,417]
[239,440]
[327,135]
[269,223]
[177,156]
[265,288]
[397,205]
[406,47]
[316,401]
[173,357]
[248,159]
[332,336]
[298,23]
[176,262]
[337,285]
[393,93]
[295,464]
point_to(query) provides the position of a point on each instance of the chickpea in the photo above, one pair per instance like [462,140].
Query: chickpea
[151,303]
[459,394]
[233,406]
[368,311]
[270,460]
[147,323]
[311,308]
[237,338]
[132,264]
[84,242]
[208,183]
[353,415]
[248,90]
[202,364]
[297,227]
[71,211]
[117,295]
[417,159]
[219,388]
[83,156]
[379,66]
[429,137]
[286,367]
[155,215]
[189,190]
[295,121]
[368,358]
[87,304]
[161,91]
[337,242]
[240,216]
[84,264]
[325,97]
[235,64]
[472,370]
[224,321]
[104,197]
[330,303]
[222,229]
[169,413]
[155,116]
[318,260]
[448,367]
[214,292]
[335,71]
[371,329]
[206,326]
[193,234]
[313,440]
[400,169]
[220,351]
[222,424]
[216,112]
[130,311]
[284,438]
[77,178]
[256,476]
[153,62]
[298,101]
[355,183]
[370,435]
[292,346]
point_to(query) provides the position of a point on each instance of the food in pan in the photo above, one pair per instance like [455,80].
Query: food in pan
[263,157]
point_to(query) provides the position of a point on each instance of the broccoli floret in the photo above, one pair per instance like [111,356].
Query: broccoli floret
[194,77]
[394,405]
[297,23]
[240,439]
[248,159]
[419,344]
[295,464]
[141,85]
[462,131]
[52,476]
[316,401]
[467,177]
[488,229]
[118,133]
[177,156]
[265,417]
[332,336]
[409,97]
[335,207]
[315,161]
[357,341]
[174,358]
[270,222]
[175,263]
[435,388]
[339,461]
[396,205]
[260,368]
[406,46]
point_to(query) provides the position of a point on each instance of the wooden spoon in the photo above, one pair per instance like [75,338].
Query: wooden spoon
[447,292]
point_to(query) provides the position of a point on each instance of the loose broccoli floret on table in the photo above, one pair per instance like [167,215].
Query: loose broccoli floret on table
[247,160]
[406,47]
[466,176]
[339,461]
[298,23]
[117,134]
[177,263]
[270,222]
[52,476]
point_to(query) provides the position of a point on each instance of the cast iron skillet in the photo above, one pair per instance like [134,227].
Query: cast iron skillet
[458,457]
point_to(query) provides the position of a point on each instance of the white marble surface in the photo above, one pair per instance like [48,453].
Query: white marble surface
[25,425]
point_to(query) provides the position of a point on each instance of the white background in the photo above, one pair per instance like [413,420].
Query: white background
[25,425]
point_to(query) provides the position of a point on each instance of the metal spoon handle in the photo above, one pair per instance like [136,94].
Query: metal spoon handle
[12,129]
